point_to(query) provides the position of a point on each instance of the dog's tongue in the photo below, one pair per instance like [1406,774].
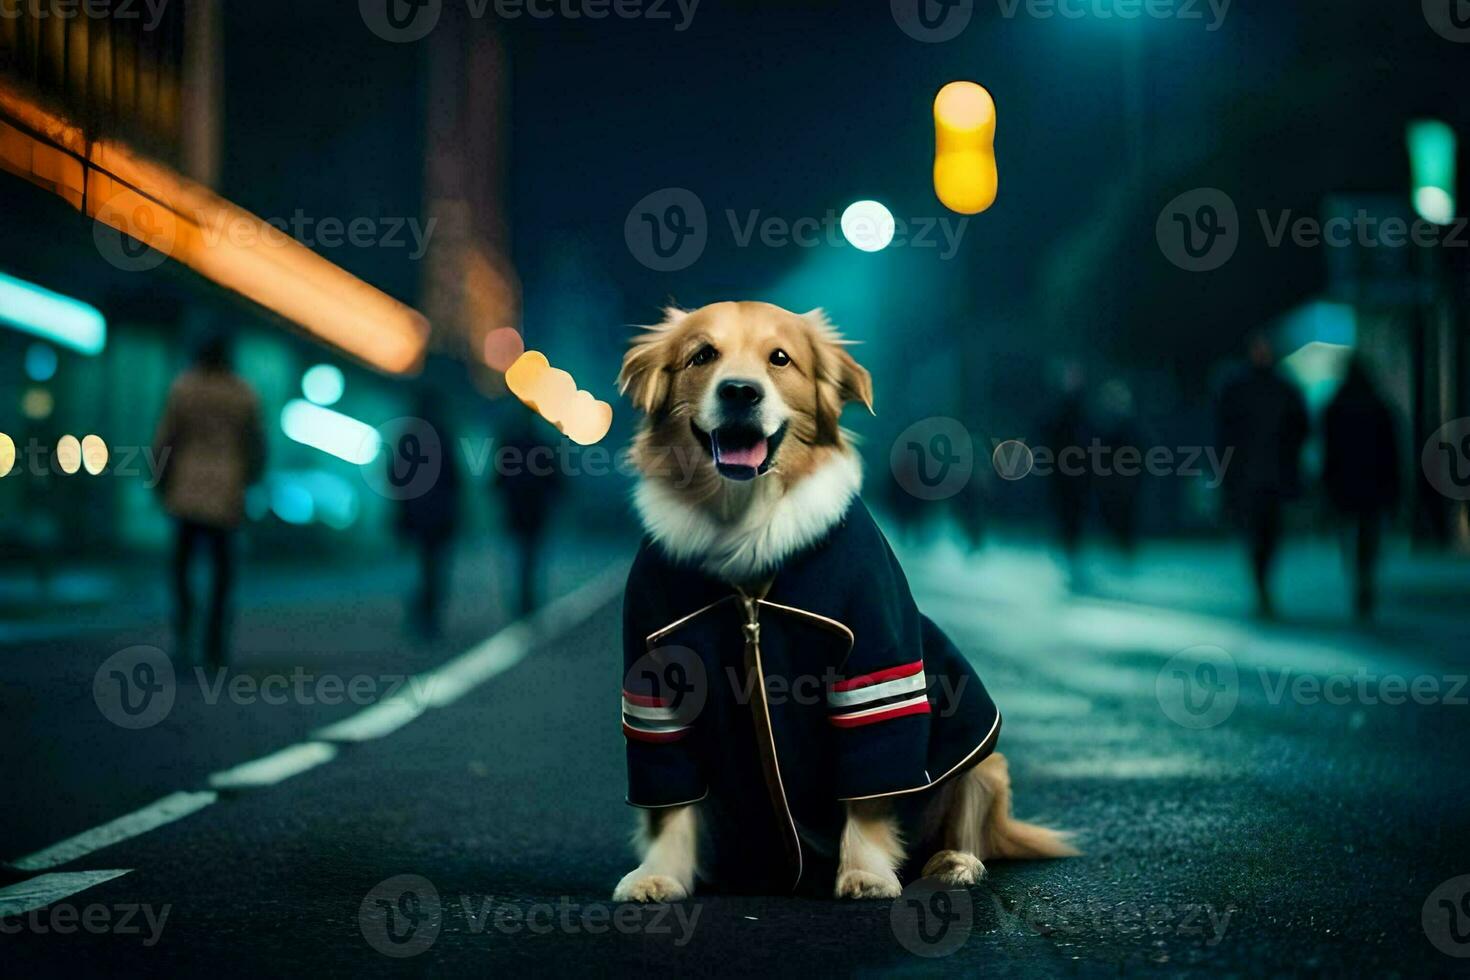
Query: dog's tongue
[752,456]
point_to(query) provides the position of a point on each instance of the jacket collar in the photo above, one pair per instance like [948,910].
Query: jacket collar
[775,523]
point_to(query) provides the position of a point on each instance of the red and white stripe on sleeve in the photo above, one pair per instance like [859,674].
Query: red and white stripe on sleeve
[880,696]
[649,718]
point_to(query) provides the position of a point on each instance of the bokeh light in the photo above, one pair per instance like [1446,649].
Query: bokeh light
[1434,204]
[36,404]
[502,347]
[7,455]
[94,454]
[323,384]
[69,454]
[868,225]
[331,432]
[965,174]
[552,394]
[40,362]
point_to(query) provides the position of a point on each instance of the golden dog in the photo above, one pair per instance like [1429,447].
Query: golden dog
[752,394]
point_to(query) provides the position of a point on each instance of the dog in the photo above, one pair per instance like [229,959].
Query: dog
[760,564]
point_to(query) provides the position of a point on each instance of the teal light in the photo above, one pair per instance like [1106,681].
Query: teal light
[1432,166]
[331,432]
[323,384]
[51,316]
[292,502]
[40,362]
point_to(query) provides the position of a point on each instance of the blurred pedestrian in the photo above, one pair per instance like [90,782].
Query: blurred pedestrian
[428,515]
[1360,471]
[1066,432]
[1263,423]
[971,506]
[210,446]
[529,479]
[1117,491]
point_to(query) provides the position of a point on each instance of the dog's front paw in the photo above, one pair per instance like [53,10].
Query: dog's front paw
[866,884]
[640,886]
[955,868]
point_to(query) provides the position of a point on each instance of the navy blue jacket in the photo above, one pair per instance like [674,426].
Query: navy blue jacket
[774,707]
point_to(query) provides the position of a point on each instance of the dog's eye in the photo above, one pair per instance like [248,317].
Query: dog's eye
[780,358]
[703,356]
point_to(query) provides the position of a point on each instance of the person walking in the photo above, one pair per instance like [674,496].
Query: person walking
[1263,420]
[1360,472]
[210,446]
[429,518]
[529,479]
[1065,431]
[1119,483]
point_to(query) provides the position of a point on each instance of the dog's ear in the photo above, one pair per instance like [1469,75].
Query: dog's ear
[645,377]
[840,378]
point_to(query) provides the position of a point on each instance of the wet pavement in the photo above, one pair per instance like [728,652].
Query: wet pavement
[1250,797]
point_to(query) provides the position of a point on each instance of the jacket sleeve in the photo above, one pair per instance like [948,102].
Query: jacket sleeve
[658,707]
[879,704]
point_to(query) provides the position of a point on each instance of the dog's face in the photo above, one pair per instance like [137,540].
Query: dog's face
[753,388]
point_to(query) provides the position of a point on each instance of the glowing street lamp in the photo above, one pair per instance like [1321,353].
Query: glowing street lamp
[868,225]
[1432,164]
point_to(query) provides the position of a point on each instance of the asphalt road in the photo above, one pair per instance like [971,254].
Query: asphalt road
[1231,823]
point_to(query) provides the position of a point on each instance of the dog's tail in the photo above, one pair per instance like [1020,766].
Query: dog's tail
[1007,837]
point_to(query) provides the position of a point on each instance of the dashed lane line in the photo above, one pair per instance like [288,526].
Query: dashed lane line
[42,890]
[271,769]
[173,807]
[433,689]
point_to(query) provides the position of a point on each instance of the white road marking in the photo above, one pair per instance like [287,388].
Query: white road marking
[374,721]
[42,890]
[435,688]
[173,807]
[495,656]
[273,768]
[505,649]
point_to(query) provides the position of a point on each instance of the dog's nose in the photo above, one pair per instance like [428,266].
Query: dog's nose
[740,394]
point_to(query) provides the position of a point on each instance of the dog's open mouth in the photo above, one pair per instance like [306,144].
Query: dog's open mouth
[740,452]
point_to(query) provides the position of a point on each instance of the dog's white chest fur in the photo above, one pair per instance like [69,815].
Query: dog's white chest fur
[766,523]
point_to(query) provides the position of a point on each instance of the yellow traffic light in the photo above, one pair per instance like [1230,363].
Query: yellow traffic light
[965,174]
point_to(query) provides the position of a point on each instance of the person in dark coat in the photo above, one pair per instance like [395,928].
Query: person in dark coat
[528,476]
[1070,483]
[1360,472]
[428,517]
[211,446]
[1263,422]
[1118,492]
